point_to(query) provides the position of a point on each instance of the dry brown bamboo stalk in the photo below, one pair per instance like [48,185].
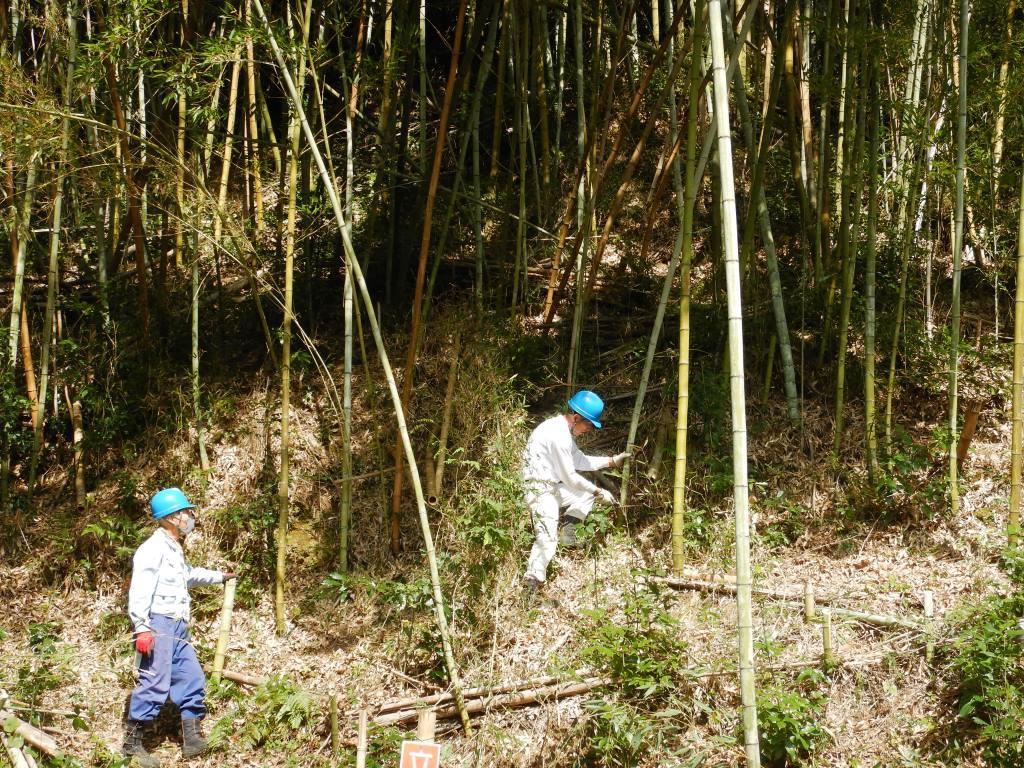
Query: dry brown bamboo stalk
[79,455]
[520,699]
[225,628]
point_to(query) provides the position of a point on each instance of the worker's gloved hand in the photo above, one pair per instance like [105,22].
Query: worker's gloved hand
[144,642]
[620,458]
[230,575]
[605,496]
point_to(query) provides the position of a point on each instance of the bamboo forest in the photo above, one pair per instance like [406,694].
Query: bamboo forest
[498,383]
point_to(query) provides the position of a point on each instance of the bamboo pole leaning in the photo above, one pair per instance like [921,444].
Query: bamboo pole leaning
[741,500]
[352,263]
[224,634]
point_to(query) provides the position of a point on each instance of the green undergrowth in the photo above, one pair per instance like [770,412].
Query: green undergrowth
[984,676]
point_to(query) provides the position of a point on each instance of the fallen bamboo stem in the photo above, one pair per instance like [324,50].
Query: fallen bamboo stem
[241,677]
[32,735]
[789,600]
[16,756]
[520,699]
[476,693]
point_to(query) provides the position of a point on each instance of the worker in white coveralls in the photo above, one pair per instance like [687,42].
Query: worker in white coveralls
[552,481]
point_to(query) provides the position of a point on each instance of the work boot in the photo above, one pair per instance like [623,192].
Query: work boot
[133,746]
[530,587]
[192,741]
[567,531]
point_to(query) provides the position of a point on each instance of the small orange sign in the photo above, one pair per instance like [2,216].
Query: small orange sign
[420,754]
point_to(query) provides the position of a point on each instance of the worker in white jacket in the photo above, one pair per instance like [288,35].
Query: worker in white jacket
[552,481]
[159,606]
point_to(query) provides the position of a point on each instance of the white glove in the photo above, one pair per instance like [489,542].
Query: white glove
[605,496]
[620,458]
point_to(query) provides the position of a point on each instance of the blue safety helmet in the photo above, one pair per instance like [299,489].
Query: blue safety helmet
[167,502]
[588,405]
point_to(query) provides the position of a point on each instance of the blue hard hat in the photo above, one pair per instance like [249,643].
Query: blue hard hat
[167,502]
[588,405]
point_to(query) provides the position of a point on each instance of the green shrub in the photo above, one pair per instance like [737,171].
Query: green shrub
[270,717]
[988,679]
[643,654]
[789,721]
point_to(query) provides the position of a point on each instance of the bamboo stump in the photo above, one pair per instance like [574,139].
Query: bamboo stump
[827,656]
[361,744]
[225,629]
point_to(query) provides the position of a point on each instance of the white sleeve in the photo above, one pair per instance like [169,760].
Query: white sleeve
[563,459]
[145,572]
[202,576]
[585,463]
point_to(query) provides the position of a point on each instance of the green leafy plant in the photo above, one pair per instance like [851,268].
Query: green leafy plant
[642,653]
[789,721]
[51,665]
[987,677]
[270,717]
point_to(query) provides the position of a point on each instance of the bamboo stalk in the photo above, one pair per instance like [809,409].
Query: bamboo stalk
[928,598]
[446,415]
[32,735]
[741,500]
[224,635]
[1017,431]
[958,242]
[335,733]
[362,743]
[826,637]
[353,264]
[808,601]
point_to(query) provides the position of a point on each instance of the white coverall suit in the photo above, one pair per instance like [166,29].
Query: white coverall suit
[551,481]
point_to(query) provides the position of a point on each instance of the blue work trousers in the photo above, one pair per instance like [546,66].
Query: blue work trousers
[170,669]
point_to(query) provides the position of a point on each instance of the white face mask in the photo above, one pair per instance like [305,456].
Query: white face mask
[190,525]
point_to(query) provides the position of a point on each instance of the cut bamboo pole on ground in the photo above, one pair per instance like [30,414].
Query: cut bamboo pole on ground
[31,735]
[791,601]
[225,629]
[482,691]
[508,701]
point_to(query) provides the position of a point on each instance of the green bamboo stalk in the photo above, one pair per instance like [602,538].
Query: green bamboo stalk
[958,242]
[849,246]
[666,287]
[745,626]
[768,238]
[197,410]
[280,574]
[55,231]
[870,421]
[353,264]
[689,203]
[1017,440]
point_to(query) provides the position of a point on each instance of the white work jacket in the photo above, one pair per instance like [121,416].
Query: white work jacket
[552,458]
[160,581]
